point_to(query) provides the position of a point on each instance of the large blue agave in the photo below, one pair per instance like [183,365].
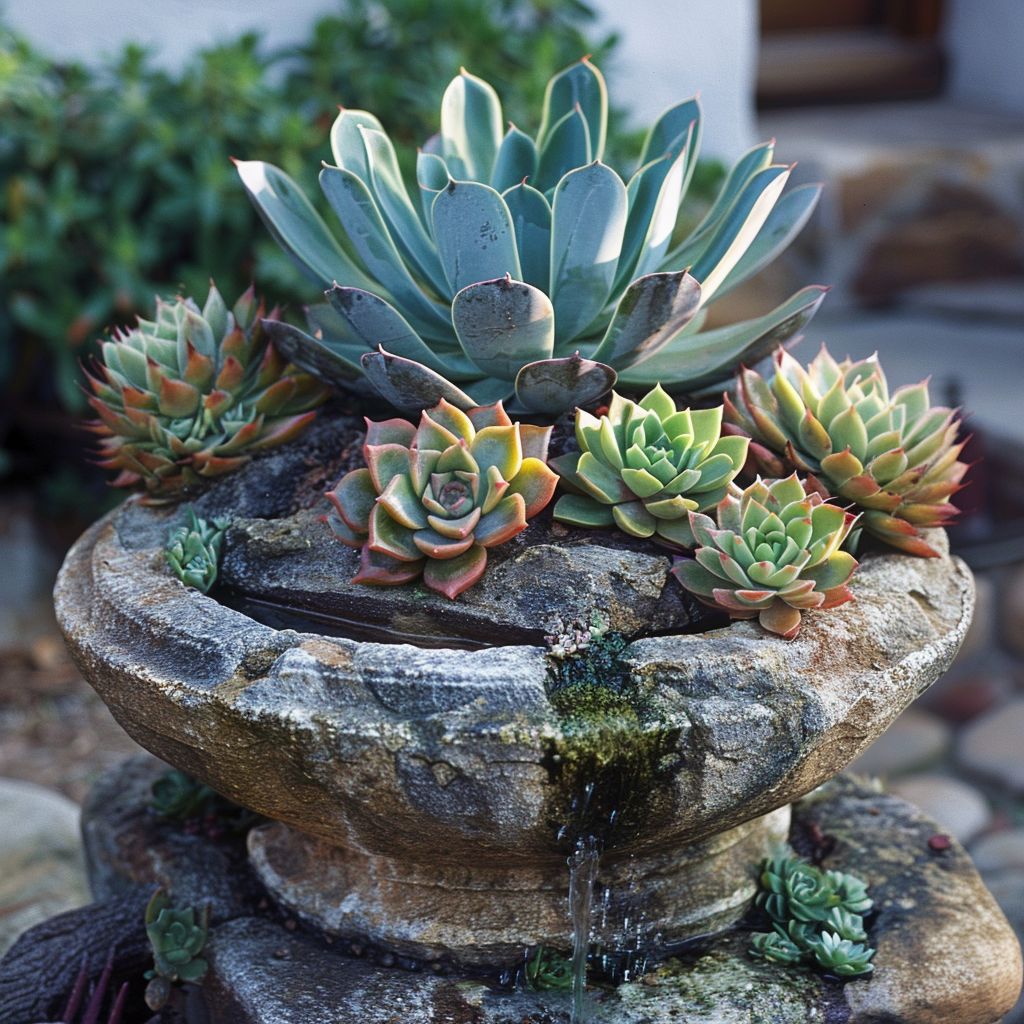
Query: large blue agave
[528,266]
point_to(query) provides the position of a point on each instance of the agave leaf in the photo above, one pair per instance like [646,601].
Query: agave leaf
[587,225]
[738,228]
[373,322]
[431,176]
[552,385]
[333,362]
[474,234]
[567,147]
[516,160]
[470,127]
[369,236]
[531,218]
[347,146]
[297,227]
[692,361]
[652,310]
[582,86]
[784,223]
[678,126]
[410,386]
[406,228]
[654,193]
[503,324]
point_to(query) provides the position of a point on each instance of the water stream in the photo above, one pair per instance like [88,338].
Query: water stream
[583,866]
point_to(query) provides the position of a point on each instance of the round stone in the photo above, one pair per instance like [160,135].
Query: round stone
[1012,618]
[41,870]
[992,744]
[1000,851]
[915,740]
[956,806]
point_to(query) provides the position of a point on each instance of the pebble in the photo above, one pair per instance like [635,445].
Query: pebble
[1000,851]
[980,637]
[1013,611]
[41,869]
[959,808]
[916,740]
[961,696]
[994,744]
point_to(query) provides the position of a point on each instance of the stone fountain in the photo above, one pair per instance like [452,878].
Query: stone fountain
[425,786]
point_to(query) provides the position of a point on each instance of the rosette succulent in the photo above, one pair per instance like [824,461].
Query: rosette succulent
[193,551]
[841,956]
[194,393]
[524,265]
[177,936]
[546,970]
[896,457]
[434,497]
[774,553]
[776,947]
[644,466]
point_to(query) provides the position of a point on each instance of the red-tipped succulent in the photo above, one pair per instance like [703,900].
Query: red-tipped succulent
[433,498]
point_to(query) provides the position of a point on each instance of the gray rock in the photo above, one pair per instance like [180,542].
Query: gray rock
[959,808]
[1012,618]
[41,870]
[992,744]
[915,740]
[1000,851]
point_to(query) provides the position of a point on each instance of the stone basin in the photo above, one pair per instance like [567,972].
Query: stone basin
[427,797]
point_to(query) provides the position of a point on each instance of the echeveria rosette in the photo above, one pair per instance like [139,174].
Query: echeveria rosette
[774,553]
[523,264]
[433,498]
[194,394]
[177,935]
[896,457]
[644,466]
[841,956]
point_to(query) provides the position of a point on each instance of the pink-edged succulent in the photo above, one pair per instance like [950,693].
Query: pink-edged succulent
[773,554]
[433,498]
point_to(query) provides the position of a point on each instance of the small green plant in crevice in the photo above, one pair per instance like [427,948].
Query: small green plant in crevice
[178,936]
[817,917]
[179,797]
[587,654]
[546,970]
[193,550]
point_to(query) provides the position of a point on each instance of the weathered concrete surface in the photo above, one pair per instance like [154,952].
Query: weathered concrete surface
[945,952]
[481,915]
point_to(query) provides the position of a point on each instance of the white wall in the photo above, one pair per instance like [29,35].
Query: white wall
[670,48]
[985,41]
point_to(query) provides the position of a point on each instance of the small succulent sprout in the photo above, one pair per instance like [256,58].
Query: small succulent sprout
[776,947]
[547,971]
[178,796]
[774,554]
[194,394]
[852,892]
[644,466]
[841,956]
[514,253]
[177,936]
[193,551]
[895,456]
[434,498]
[846,925]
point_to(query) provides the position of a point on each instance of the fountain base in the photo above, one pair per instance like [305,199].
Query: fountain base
[481,914]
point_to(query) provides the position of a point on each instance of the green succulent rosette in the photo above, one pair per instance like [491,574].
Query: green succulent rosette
[194,394]
[434,498]
[177,936]
[895,456]
[193,551]
[773,554]
[645,466]
[547,971]
[841,956]
[521,264]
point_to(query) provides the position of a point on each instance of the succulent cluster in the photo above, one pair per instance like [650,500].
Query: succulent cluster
[895,456]
[193,394]
[177,936]
[193,551]
[178,796]
[524,265]
[816,915]
[547,971]
[644,467]
[774,553]
[433,498]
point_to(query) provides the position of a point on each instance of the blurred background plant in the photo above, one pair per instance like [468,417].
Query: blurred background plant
[116,182]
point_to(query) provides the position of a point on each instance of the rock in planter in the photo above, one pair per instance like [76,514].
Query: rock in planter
[419,761]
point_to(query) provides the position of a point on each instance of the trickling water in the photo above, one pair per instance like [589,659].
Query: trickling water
[582,875]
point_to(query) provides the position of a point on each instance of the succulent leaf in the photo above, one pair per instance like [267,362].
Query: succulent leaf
[434,497]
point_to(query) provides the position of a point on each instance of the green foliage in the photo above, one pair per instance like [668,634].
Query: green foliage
[816,916]
[193,551]
[177,936]
[178,796]
[546,971]
[116,183]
